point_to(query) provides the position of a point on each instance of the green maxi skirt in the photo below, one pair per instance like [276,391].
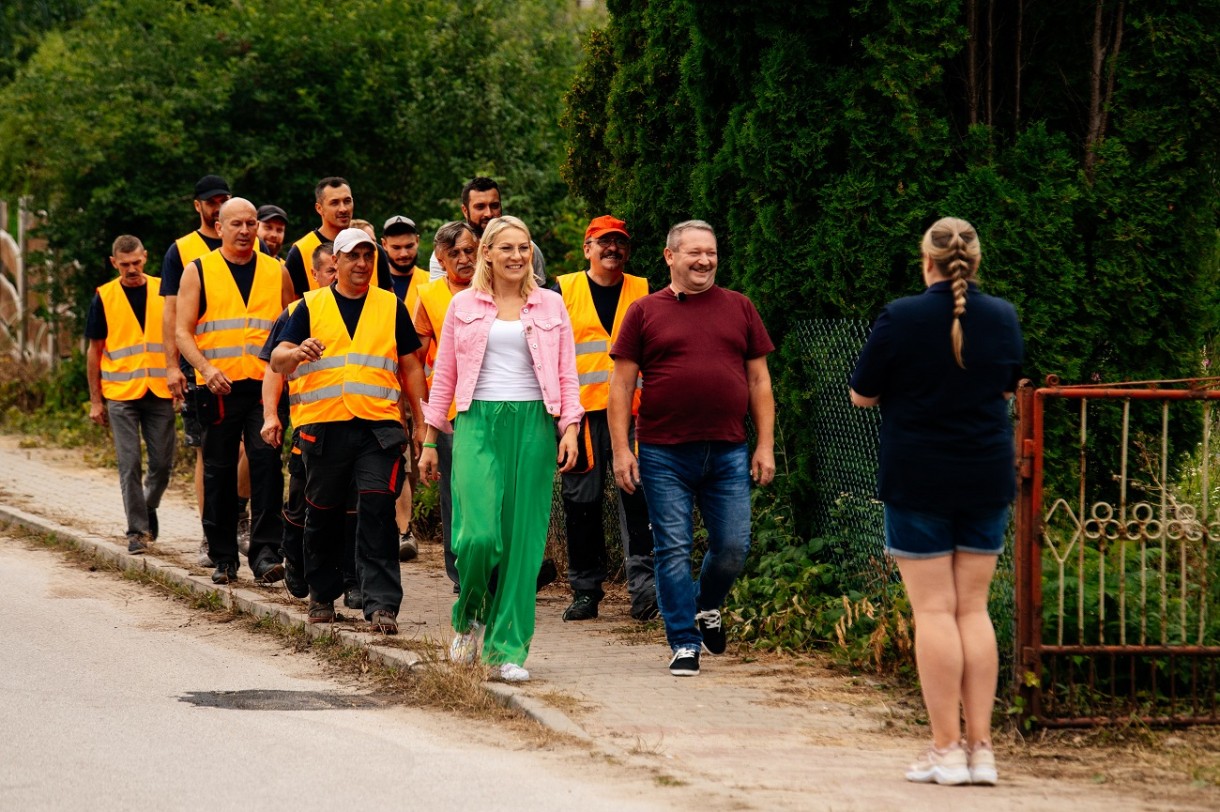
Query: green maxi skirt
[503,474]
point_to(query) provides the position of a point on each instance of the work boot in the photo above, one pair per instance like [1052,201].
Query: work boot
[226,572]
[295,581]
[583,606]
[136,543]
[205,555]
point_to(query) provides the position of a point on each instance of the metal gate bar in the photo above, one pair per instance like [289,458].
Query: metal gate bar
[1149,561]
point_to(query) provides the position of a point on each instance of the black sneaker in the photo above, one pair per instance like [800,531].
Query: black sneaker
[268,570]
[353,598]
[547,574]
[136,544]
[583,606]
[685,662]
[408,547]
[154,526]
[713,630]
[295,581]
[226,572]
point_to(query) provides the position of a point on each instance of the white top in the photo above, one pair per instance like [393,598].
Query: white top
[508,369]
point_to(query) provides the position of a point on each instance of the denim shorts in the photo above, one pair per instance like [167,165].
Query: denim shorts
[918,534]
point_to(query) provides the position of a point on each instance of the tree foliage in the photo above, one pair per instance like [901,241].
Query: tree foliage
[821,138]
[111,121]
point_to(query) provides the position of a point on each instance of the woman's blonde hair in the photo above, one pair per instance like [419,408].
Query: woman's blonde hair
[953,246]
[482,266]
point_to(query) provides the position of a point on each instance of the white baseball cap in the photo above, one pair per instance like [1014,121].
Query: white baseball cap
[349,238]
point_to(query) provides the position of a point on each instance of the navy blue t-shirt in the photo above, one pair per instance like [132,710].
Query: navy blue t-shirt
[95,322]
[946,434]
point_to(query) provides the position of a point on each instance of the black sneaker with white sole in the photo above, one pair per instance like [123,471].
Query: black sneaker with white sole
[713,630]
[685,662]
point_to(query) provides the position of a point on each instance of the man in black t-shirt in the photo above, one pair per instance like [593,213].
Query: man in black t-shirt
[228,300]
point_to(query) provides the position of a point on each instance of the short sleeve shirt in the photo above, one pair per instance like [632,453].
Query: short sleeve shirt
[692,352]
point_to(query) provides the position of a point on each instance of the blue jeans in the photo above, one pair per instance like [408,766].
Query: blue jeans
[716,476]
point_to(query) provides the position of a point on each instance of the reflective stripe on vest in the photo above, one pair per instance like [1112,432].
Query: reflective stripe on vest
[133,359]
[358,375]
[231,332]
[593,362]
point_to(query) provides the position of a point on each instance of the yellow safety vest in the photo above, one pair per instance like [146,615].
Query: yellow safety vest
[435,297]
[133,362]
[593,362]
[231,332]
[306,246]
[191,247]
[419,277]
[357,375]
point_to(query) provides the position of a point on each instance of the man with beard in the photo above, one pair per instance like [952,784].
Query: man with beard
[211,192]
[272,221]
[334,204]
[597,300]
[400,244]
[481,205]
[229,301]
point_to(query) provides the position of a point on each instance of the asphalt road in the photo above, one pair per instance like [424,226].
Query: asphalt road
[117,698]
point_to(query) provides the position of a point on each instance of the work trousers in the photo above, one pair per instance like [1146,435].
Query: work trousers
[293,543]
[337,456]
[501,512]
[584,490]
[240,415]
[152,417]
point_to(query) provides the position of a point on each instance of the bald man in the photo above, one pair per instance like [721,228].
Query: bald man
[227,301]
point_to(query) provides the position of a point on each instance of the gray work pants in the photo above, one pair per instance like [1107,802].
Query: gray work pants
[153,417]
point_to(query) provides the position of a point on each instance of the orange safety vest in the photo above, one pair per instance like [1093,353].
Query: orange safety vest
[419,277]
[191,247]
[306,246]
[133,362]
[435,296]
[593,361]
[231,332]
[357,376]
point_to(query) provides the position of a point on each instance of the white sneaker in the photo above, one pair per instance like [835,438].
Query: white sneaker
[948,767]
[982,765]
[511,672]
[465,647]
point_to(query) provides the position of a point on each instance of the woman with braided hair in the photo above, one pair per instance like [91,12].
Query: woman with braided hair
[942,366]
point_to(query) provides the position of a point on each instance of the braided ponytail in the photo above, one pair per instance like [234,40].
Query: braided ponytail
[953,247]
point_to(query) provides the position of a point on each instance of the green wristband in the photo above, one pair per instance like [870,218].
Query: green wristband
[429,445]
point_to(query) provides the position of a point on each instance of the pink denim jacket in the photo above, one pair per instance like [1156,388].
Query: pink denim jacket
[459,357]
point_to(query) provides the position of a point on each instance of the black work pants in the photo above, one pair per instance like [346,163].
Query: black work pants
[293,545]
[240,415]
[337,457]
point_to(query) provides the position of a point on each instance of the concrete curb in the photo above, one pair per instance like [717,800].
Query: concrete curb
[250,602]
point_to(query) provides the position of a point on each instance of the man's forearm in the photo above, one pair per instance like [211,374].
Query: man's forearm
[93,370]
[273,388]
[169,329]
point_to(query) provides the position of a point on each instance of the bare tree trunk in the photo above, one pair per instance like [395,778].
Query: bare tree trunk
[972,56]
[1016,104]
[1105,48]
[990,62]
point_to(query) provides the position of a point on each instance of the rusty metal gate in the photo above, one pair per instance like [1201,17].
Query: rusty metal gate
[1117,566]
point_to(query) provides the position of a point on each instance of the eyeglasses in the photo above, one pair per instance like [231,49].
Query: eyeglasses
[606,242]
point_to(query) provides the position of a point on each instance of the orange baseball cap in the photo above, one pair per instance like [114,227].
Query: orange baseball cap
[606,224]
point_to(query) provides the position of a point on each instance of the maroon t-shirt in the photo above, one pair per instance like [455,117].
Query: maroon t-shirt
[692,353]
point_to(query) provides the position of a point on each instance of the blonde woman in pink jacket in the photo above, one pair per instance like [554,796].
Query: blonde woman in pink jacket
[507,359]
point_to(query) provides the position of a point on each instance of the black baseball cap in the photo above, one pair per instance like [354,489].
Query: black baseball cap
[399,225]
[209,186]
[271,212]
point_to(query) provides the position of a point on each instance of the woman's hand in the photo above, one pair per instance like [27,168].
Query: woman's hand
[429,465]
[567,449]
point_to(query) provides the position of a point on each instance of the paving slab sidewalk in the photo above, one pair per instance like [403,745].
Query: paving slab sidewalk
[745,734]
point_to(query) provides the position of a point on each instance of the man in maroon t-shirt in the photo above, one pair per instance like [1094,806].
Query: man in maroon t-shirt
[703,354]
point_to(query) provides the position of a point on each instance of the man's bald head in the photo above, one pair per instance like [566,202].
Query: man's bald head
[238,227]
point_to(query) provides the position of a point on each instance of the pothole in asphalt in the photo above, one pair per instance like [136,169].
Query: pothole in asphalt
[259,700]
